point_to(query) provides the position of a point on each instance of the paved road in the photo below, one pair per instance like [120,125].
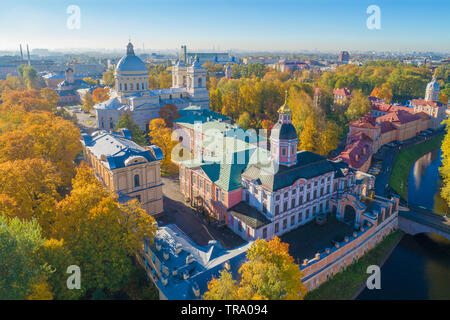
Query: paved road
[387,155]
[426,217]
[176,211]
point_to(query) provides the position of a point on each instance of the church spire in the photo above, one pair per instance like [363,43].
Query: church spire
[130,50]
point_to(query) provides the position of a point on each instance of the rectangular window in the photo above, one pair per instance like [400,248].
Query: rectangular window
[217,194]
[286,194]
[284,224]
[277,210]
[321,191]
[276,227]
[300,200]
[292,220]
[277,197]
[264,233]
[307,214]
[293,203]
[294,191]
[308,197]
[299,217]
[301,189]
[328,189]
[285,206]
[223,196]
[321,207]
[315,194]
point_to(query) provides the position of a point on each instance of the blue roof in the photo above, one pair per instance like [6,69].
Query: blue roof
[115,150]
[207,262]
[131,63]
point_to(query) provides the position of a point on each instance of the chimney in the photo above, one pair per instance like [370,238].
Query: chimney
[28,53]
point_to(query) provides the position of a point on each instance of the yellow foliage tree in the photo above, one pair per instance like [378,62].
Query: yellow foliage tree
[161,136]
[40,291]
[31,184]
[100,233]
[269,273]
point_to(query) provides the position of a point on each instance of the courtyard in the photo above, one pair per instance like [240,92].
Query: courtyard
[311,238]
[195,226]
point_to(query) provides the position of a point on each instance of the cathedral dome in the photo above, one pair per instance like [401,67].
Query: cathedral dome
[433,86]
[283,131]
[131,62]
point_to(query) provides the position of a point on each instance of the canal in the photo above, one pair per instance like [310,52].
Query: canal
[419,266]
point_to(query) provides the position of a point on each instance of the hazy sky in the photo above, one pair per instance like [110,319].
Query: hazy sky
[296,25]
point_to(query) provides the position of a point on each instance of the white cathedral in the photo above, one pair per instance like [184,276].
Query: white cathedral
[132,94]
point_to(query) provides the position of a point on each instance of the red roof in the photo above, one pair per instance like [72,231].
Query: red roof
[423,102]
[357,151]
[368,121]
[342,92]
[400,117]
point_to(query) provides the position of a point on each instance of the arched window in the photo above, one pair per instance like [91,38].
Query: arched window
[120,86]
[125,85]
[200,82]
[136,180]
[142,87]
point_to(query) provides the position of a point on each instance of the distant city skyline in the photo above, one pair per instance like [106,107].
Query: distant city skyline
[283,25]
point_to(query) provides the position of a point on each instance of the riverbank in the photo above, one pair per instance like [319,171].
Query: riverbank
[349,283]
[405,159]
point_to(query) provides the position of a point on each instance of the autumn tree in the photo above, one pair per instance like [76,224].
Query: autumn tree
[169,113]
[101,233]
[90,81]
[359,106]
[445,168]
[161,136]
[44,135]
[384,92]
[108,77]
[32,186]
[88,102]
[126,121]
[222,288]
[100,94]
[269,273]
[244,120]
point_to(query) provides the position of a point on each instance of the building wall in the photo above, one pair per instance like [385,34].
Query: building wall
[324,266]
[122,180]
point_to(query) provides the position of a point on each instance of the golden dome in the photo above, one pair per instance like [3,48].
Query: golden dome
[285,108]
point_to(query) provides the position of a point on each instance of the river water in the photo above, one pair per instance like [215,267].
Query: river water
[419,267]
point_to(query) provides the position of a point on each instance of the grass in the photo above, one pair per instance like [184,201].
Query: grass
[405,160]
[344,285]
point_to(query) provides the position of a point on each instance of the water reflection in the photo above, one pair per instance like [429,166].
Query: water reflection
[425,182]
[417,269]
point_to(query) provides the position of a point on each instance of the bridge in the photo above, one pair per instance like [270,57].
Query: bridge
[414,220]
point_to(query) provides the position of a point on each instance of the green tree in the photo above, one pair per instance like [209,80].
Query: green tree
[19,268]
[126,121]
[359,106]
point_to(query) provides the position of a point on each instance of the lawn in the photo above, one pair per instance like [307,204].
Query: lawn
[405,160]
[346,284]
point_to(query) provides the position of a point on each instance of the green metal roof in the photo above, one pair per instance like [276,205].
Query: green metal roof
[249,215]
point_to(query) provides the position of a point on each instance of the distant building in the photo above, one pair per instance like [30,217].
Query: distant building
[202,57]
[228,73]
[181,269]
[126,168]
[430,105]
[68,89]
[344,57]
[132,92]
[341,95]
[387,123]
